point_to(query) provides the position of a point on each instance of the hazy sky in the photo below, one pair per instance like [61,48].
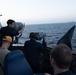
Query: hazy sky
[38,11]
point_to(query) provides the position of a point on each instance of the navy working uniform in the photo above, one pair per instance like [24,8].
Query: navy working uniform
[32,53]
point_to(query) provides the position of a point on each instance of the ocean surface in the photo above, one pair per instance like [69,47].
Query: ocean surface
[53,32]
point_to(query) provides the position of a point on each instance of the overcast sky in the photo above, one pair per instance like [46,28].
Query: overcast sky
[38,11]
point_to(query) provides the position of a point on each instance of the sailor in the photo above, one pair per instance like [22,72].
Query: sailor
[9,29]
[37,54]
[32,50]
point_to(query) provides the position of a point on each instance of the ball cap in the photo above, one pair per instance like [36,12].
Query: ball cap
[7,38]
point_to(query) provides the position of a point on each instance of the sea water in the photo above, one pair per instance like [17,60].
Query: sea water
[53,32]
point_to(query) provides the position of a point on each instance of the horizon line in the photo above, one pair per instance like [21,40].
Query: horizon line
[49,23]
